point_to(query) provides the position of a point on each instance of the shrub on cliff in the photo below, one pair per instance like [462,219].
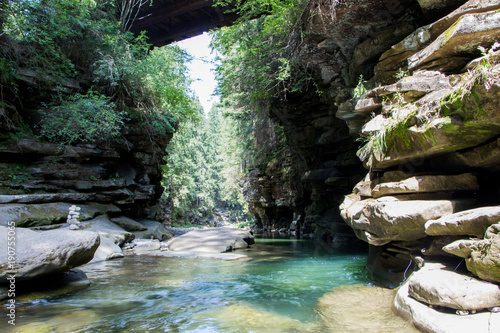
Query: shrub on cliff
[81,118]
[83,40]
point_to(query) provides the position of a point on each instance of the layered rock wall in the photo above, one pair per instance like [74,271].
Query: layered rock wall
[125,172]
[423,122]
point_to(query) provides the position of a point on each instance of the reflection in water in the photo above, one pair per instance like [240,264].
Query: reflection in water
[275,292]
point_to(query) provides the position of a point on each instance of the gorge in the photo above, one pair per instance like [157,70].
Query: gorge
[379,130]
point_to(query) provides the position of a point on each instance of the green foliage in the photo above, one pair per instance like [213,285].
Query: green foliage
[81,118]
[257,62]
[66,38]
[7,72]
[360,90]
[200,172]
[485,72]
[401,74]
[48,31]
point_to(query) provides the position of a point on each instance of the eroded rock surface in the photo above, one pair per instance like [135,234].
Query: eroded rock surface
[212,240]
[440,286]
[40,253]
[473,222]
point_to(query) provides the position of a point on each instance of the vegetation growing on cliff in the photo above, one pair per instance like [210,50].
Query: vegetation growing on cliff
[256,68]
[82,40]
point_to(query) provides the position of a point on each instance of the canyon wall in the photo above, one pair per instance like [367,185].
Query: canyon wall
[121,175]
[403,136]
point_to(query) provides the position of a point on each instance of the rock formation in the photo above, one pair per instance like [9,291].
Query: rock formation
[426,110]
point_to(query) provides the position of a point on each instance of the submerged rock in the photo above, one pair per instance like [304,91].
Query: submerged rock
[40,253]
[212,240]
[358,308]
[196,254]
[242,318]
[52,286]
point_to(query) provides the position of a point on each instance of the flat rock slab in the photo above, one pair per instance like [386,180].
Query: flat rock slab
[154,230]
[472,222]
[212,240]
[468,32]
[379,221]
[198,254]
[437,285]
[427,319]
[106,228]
[41,253]
[128,224]
[46,197]
[428,184]
[49,213]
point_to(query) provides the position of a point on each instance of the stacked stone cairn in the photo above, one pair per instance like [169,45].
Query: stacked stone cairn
[73,216]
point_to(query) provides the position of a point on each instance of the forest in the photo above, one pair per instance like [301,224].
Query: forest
[124,80]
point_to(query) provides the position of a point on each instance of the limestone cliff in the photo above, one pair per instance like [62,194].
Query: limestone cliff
[423,121]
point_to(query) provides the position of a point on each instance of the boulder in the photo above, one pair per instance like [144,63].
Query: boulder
[107,250]
[461,247]
[379,221]
[482,256]
[426,184]
[440,286]
[212,240]
[154,230]
[40,253]
[428,319]
[128,224]
[473,222]
[106,228]
[484,262]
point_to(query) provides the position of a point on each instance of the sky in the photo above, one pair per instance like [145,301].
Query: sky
[202,69]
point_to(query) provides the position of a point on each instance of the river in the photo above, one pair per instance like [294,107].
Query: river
[276,291]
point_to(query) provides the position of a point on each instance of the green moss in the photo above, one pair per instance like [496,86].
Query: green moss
[450,31]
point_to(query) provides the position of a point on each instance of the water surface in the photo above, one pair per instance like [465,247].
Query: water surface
[277,291]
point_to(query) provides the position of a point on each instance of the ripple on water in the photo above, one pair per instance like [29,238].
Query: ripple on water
[277,291]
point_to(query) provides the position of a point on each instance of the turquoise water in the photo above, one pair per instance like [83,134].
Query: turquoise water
[277,291]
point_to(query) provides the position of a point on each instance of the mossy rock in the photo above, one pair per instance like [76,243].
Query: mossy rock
[464,123]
